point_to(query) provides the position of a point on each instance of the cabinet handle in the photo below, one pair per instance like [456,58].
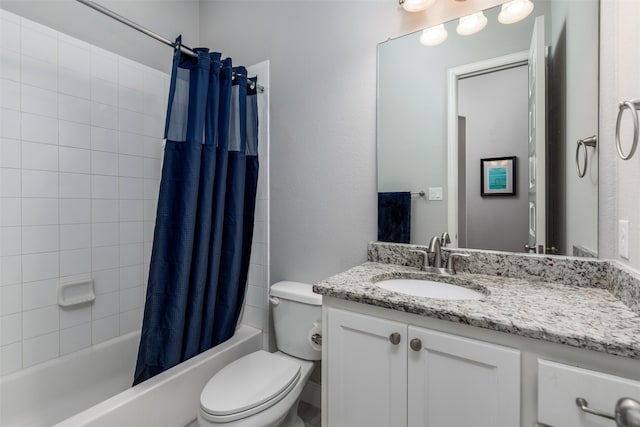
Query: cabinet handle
[394,338]
[583,405]
[416,344]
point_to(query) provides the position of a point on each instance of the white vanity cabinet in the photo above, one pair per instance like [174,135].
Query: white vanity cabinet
[386,373]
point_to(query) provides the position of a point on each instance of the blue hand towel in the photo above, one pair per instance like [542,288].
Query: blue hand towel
[394,217]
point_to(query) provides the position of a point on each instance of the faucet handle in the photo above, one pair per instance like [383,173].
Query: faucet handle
[425,258]
[451,266]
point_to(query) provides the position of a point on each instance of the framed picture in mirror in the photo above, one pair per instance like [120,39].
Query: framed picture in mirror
[498,176]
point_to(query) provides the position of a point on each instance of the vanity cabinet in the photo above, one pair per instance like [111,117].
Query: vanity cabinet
[387,373]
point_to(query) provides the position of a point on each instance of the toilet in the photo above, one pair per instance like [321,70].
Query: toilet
[263,389]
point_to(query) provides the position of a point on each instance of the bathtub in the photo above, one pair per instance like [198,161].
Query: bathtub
[92,387]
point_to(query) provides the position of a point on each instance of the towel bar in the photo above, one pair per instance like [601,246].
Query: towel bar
[633,106]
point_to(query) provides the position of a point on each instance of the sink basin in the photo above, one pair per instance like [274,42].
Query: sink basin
[429,289]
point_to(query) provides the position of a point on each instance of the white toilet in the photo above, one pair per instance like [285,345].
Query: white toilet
[262,389]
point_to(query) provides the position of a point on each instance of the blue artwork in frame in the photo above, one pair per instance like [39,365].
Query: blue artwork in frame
[498,176]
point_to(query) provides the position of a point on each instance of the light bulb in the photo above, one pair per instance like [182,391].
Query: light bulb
[514,11]
[434,35]
[416,5]
[471,24]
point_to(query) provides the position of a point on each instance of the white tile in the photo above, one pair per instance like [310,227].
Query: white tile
[130,74]
[74,41]
[257,296]
[103,163]
[10,358]
[132,298]
[40,321]
[131,321]
[257,275]
[9,94]
[130,232]
[131,188]
[255,317]
[39,294]
[104,187]
[10,300]
[39,129]
[130,166]
[104,139]
[75,316]
[155,105]
[10,270]
[75,185]
[39,156]
[39,211]
[130,99]
[105,116]
[39,184]
[103,66]
[11,212]
[103,210]
[39,101]
[9,35]
[27,23]
[37,44]
[10,65]
[106,281]
[130,121]
[40,238]
[148,231]
[75,160]
[10,241]
[130,143]
[43,266]
[105,258]
[36,72]
[259,232]
[10,328]
[9,153]
[74,134]
[10,182]
[74,83]
[149,209]
[10,123]
[131,210]
[76,338]
[105,305]
[75,236]
[74,109]
[75,211]
[105,234]
[104,91]
[75,57]
[152,168]
[75,262]
[131,254]
[153,147]
[153,126]
[40,349]
[131,276]
[105,328]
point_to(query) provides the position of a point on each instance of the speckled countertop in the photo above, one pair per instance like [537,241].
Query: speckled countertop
[585,317]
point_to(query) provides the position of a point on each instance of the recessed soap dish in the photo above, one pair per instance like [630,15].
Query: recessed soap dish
[75,293]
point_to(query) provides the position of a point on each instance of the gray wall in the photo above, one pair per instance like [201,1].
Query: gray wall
[496,110]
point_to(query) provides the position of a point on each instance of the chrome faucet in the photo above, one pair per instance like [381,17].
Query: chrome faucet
[445,239]
[435,249]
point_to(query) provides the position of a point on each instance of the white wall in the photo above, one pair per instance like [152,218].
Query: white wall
[495,106]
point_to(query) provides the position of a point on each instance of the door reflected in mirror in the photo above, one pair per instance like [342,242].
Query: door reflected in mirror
[527,90]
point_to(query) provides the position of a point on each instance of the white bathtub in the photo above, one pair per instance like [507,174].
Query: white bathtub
[92,387]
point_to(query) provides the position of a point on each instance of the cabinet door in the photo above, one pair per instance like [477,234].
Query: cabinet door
[460,382]
[367,373]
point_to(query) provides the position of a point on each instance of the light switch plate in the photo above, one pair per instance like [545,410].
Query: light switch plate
[435,193]
[623,238]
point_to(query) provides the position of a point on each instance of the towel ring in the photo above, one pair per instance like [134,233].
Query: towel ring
[584,143]
[632,105]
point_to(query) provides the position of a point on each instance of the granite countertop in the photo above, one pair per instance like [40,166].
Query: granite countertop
[585,317]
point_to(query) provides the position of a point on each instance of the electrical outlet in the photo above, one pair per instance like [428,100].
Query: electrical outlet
[623,238]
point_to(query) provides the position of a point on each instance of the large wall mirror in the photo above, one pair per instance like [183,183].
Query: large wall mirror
[481,134]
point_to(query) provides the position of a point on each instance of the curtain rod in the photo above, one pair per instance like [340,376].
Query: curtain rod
[184,49]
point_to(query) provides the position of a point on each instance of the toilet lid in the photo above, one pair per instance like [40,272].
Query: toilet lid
[255,381]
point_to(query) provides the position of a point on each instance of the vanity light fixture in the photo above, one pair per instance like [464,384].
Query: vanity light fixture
[514,11]
[471,24]
[415,5]
[434,35]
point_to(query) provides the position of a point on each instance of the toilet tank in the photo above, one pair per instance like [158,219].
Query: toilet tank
[297,317]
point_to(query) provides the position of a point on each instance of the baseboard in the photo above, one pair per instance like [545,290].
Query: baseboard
[311,393]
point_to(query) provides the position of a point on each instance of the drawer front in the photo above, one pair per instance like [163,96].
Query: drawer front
[559,385]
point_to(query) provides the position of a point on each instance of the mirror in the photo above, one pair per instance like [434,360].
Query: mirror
[447,112]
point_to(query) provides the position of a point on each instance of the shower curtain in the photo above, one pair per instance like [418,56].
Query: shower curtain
[204,222]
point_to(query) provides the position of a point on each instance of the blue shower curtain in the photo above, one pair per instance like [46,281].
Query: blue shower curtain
[204,223]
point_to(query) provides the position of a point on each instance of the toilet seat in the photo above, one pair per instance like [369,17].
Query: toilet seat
[248,385]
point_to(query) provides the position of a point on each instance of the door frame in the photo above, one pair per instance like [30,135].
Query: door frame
[453,75]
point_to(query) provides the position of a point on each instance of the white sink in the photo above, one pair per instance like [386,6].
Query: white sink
[429,289]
